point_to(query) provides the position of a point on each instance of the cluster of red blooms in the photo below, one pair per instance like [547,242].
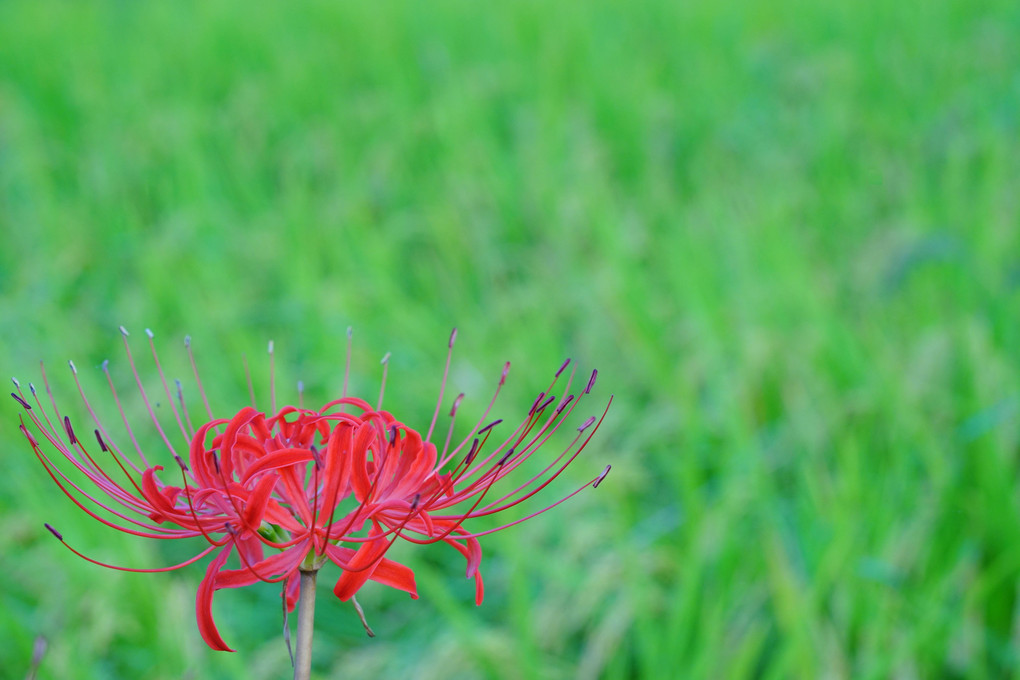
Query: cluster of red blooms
[339,484]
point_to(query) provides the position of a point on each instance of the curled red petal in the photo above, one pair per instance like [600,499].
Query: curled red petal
[387,572]
[277,460]
[258,501]
[274,566]
[472,552]
[361,566]
[203,602]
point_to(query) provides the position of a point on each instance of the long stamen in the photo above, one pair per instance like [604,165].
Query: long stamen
[184,410]
[123,415]
[198,380]
[347,364]
[166,387]
[442,385]
[194,559]
[453,419]
[382,385]
[272,378]
[247,377]
[145,397]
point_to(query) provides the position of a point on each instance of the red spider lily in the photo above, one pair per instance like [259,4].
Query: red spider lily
[312,486]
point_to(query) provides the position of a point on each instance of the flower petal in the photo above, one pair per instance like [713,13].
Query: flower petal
[273,566]
[472,552]
[361,566]
[203,602]
[387,572]
[275,461]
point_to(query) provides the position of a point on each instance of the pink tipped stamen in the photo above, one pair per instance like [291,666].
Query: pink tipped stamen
[123,416]
[442,385]
[347,363]
[247,378]
[145,397]
[543,435]
[166,386]
[485,414]
[272,378]
[382,385]
[198,380]
[184,410]
[99,425]
[515,501]
[56,475]
[453,420]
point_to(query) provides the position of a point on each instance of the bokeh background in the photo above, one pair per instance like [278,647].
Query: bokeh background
[785,232]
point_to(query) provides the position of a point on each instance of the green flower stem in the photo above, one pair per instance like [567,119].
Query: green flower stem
[306,618]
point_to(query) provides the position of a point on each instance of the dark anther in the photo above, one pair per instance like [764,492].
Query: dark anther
[54,532]
[534,405]
[591,381]
[393,435]
[471,453]
[316,457]
[598,481]
[563,367]
[505,458]
[414,503]
[586,424]
[70,432]
[180,462]
[544,404]
[21,401]
[453,336]
[102,444]
[490,426]
[563,404]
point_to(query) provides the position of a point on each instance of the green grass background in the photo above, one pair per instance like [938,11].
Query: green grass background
[786,233]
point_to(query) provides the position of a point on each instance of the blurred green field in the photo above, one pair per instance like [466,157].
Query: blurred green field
[786,233]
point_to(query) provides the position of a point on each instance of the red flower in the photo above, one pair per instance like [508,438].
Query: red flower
[254,482]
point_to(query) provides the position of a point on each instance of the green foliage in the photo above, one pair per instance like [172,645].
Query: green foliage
[786,233]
